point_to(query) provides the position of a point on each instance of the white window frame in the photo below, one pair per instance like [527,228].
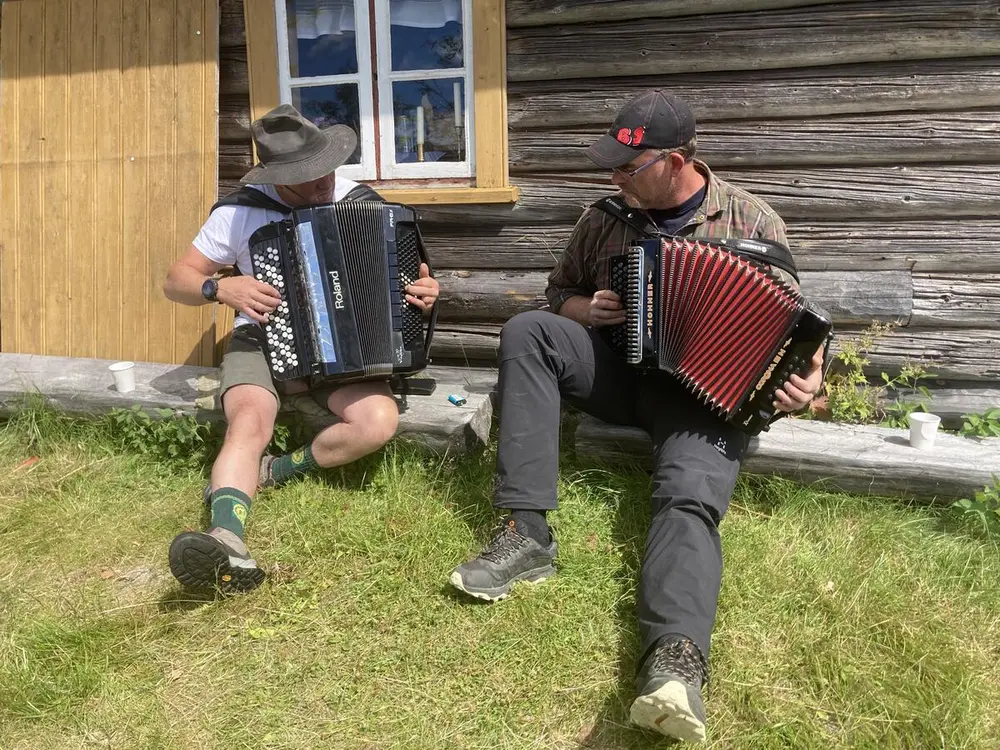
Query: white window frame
[390,170]
[386,77]
[362,79]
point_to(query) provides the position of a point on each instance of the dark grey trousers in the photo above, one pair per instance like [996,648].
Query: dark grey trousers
[545,358]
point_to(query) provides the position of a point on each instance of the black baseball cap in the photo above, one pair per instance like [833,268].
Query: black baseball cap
[652,120]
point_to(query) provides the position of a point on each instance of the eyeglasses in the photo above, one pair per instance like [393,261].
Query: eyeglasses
[630,174]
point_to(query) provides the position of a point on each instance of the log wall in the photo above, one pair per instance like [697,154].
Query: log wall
[869,126]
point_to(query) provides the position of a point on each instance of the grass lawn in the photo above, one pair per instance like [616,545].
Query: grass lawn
[844,622]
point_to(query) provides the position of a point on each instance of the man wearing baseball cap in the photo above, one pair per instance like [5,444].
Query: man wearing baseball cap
[550,355]
[298,163]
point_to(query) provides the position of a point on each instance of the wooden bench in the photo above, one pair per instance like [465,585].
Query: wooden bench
[862,459]
[85,386]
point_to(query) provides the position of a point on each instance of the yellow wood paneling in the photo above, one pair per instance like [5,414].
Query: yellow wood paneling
[55,179]
[107,137]
[83,181]
[490,95]
[10,23]
[108,164]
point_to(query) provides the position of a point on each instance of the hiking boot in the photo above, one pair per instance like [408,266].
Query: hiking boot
[508,558]
[670,683]
[264,479]
[213,561]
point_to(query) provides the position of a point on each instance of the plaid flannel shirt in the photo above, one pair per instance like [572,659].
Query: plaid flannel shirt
[727,211]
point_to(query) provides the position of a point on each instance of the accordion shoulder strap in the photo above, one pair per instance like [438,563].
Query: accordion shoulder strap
[618,208]
[767,252]
[362,193]
[251,198]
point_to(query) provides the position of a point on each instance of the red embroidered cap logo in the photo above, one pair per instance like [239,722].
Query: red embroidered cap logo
[630,136]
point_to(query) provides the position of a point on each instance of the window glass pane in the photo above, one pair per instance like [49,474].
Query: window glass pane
[424,113]
[331,105]
[321,40]
[425,34]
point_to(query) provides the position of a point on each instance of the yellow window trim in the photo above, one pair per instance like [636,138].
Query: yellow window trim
[489,45]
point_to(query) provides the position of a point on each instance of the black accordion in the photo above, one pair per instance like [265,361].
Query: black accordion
[342,270]
[717,321]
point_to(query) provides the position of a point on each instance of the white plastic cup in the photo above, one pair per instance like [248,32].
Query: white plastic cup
[124,373]
[923,429]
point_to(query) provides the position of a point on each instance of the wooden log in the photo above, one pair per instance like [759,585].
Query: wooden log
[905,86]
[861,459]
[828,194]
[522,13]
[952,404]
[235,160]
[959,300]
[232,32]
[84,387]
[850,297]
[871,139]
[234,80]
[971,247]
[465,344]
[965,355]
[797,37]
[234,119]
[925,246]
[951,354]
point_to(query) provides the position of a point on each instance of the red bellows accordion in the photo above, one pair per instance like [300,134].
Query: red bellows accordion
[720,323]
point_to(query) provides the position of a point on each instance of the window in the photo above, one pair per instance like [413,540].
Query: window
[420,81]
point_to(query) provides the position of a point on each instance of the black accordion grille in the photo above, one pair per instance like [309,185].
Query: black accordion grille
[408,258]
[368,277]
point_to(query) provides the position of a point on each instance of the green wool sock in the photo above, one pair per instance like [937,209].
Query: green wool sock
[230,508]
[297,462]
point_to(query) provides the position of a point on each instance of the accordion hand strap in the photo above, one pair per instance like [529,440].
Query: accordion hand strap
[768,252]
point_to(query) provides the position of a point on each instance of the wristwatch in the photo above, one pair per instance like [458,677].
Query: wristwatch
[210,290]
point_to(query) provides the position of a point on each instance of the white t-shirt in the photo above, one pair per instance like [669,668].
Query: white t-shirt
[225,236]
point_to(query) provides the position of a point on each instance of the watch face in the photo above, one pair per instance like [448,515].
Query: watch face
[209,289]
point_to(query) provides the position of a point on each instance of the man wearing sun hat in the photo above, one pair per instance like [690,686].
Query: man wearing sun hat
[297,168]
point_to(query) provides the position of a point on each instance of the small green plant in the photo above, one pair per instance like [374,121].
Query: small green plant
[163,433]
[852,398]
[986,424]
[984,508]
[897,412]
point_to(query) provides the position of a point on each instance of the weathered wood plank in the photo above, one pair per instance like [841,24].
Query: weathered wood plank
[235,160]
[234,78]
[953,403]
[965,355]
[852,458]
[545,12]
[234,119]
[84,386]
[904,86]
[956,299]
[850,297]
[872,139]
[836,246]
[232,32]
[798,37]
[823,194]
[925,246]
[952,354]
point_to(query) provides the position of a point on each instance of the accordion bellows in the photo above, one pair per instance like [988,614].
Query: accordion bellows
[727,329]
[342,270]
